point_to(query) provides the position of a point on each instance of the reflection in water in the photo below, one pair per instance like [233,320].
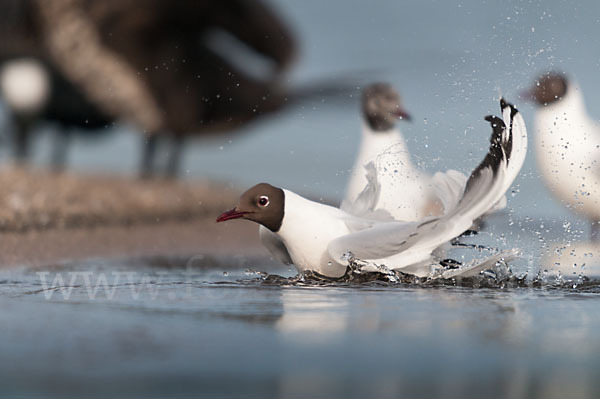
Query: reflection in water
[199,329]
[399,340]
[317,316]
[312,315]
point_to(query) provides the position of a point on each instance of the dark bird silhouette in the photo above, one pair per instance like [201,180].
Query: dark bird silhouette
[160,65]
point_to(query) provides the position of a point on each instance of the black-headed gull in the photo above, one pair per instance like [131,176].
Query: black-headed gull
[567,145]
[383,145]
[319,237]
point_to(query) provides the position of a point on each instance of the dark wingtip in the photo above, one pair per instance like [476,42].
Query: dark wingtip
[498,127]
[495,121]
[504,104]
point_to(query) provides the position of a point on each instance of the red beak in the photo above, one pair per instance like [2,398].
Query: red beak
[402,114]
[230,214]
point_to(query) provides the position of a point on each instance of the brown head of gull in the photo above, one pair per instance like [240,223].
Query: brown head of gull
[382,106]
[263,204]
[548,88]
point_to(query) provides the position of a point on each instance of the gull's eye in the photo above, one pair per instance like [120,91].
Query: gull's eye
[263,200]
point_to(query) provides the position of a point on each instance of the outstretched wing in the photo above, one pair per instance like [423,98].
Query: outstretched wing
[484,188]
[518,133]
[448,187]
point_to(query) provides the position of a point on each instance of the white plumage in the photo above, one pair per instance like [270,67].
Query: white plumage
[318,237]
[384,146]
[400,174]
[567,143]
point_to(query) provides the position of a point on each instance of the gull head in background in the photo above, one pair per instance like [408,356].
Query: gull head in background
[382,106]
[548,88]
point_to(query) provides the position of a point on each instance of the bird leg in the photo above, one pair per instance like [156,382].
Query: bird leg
[174,161]
[148,155]
[62,140]
[21,139]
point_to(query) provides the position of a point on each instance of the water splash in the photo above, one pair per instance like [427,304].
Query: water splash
[500,277]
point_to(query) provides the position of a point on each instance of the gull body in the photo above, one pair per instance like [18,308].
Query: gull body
[318,237]
[381,106]
[402,173]
[567,143]
[319,225]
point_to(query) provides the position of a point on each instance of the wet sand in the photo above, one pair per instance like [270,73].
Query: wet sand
[48,218]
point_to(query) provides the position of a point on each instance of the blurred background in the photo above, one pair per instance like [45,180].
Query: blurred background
[215,326]
[450,61]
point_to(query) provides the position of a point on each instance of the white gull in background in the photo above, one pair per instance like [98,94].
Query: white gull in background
[567,145]
[318,237]
[383,146]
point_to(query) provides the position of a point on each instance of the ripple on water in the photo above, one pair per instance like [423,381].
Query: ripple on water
[171,277]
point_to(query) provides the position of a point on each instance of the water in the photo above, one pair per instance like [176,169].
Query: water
[239,326]
[180,326]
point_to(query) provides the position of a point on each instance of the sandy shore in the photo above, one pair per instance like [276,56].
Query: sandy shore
[36,200]
[51,246]
[49,218]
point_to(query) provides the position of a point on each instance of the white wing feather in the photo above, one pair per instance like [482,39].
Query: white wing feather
[365,203]
[484,188]
[448,187]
